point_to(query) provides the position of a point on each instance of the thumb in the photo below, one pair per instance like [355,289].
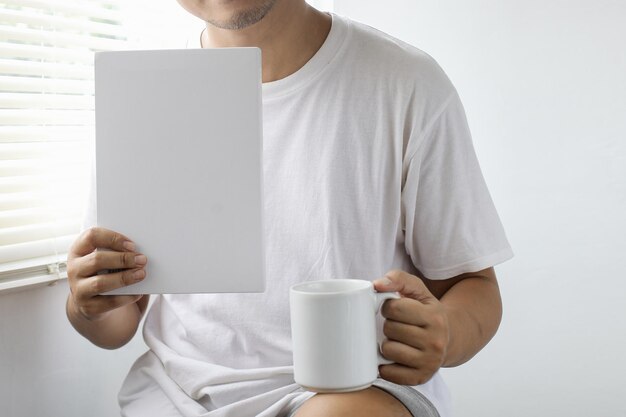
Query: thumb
[406,284]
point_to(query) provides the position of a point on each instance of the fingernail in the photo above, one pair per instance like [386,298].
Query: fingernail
[385,281]
[139,275]
[129,246]
[140,260]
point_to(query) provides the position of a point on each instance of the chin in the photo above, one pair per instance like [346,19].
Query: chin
[229,14]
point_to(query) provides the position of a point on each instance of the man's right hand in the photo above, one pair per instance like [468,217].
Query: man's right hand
[95,250]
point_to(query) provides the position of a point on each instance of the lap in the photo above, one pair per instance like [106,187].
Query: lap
[372,401]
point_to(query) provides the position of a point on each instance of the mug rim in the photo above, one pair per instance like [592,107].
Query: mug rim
[359,285]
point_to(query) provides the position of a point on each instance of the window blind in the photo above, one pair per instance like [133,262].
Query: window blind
[47,124]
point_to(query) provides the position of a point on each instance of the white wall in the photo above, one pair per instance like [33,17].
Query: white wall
[544,85]
[49,370]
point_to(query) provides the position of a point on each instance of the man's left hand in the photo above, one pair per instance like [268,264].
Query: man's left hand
[416,327]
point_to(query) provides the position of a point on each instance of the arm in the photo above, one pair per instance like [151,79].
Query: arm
[436,323]
[110,330]
[108,321]
[474,310]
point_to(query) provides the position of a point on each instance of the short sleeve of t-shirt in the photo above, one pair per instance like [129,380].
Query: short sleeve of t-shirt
[450,222]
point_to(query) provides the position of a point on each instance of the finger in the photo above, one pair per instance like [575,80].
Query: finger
[90,287]
[105,303]
[401,353]
[100,260]
[404,375]
[406,284]
[405,310]
[99,237]
[405,333]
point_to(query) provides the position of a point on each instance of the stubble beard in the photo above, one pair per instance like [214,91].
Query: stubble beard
[245,18]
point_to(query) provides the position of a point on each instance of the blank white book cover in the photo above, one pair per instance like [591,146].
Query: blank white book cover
[179,165]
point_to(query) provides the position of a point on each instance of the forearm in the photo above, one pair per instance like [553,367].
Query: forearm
[474,310]
[111,331]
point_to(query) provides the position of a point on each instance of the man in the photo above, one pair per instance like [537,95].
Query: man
[369,173]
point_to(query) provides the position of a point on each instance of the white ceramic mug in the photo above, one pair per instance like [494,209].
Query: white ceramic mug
[333,329]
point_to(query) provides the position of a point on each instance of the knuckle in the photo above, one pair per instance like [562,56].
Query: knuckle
[77,288]
[97,285]
[127,259]
[91,234]
[439,321]
[115,239]
[71,270]
[96,258]
[420,284]
[392,308]
[413,358]
[438,345]
[126,278]
[89,262]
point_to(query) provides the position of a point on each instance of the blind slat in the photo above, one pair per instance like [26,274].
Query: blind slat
[48,198]
[54,21]
[33,215]
[38,231]
[45,69]
[74,8]
[46,117]
[27,35]
[45,85]
[45,101]
[47,133]
[25,167]
[47,53]
[35,249]
[12,151]
[38,183]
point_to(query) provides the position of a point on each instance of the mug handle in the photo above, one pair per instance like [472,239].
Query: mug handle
[381,297]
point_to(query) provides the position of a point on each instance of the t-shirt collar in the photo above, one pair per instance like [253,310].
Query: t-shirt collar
[322,58]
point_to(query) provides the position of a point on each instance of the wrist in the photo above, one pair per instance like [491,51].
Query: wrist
[456,318]
[74,313]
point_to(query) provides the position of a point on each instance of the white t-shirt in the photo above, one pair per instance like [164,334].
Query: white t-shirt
[368,166]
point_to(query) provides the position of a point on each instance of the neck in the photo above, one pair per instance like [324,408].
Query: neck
[289,35]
